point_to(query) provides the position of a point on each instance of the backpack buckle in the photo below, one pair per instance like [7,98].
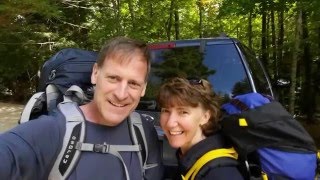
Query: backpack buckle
[101,148]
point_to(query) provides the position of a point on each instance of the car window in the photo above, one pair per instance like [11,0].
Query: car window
[230,78]
[260,78]
[219,63]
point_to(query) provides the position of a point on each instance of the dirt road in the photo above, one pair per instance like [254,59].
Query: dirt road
[9,115]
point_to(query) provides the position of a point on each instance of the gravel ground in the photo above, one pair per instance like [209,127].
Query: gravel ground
[9,115]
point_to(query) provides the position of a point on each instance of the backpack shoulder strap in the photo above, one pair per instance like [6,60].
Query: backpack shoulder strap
[52,96]
[239,104]
[74,137]
[135,125]
[48,99]
[134,122]
[32,104]
[75,131]
[204,159]
[139,137]
[75,94]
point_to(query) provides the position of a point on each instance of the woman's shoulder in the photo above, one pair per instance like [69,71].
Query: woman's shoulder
[221,172]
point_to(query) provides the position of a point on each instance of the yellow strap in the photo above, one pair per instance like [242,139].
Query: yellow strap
[243,122]
[264,176]
[318,160]
[213,154]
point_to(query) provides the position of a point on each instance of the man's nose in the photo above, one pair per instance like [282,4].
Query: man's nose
[122,91]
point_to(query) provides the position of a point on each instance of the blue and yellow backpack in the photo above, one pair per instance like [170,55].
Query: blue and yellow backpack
[268,139]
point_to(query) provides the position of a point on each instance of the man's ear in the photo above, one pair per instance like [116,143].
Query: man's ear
[94,73]
[143,92]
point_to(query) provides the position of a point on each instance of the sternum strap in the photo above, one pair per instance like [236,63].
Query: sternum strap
[106,148]
[110,149]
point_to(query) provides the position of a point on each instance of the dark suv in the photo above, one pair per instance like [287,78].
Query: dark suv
[229,65]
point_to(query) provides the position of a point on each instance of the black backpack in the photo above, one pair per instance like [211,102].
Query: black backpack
[268,138]
[65,83]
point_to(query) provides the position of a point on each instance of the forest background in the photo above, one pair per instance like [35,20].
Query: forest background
[285,35]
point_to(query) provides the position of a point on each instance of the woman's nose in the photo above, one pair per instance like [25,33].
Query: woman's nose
[172,120]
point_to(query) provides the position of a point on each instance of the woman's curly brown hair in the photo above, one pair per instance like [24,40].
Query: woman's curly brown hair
[194,93]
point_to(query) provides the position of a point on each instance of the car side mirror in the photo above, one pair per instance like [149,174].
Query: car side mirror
[282,83]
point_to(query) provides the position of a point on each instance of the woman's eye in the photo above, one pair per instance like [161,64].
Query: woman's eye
[184,112]
[163,110]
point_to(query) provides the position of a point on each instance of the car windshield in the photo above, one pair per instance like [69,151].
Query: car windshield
[219,63]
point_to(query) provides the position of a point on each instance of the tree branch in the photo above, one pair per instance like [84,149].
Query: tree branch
[72,4]
[74,25]
[42,43]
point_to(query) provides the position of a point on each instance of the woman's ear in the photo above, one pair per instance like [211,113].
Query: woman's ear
[205,118]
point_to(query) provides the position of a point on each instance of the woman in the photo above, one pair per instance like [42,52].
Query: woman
[189,118]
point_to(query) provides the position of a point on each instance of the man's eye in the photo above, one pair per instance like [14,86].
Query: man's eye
[134,85]
[111,78]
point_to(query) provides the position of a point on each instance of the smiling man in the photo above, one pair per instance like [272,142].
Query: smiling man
[119,76]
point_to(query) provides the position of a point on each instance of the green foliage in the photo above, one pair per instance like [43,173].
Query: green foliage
[183,62]
[33,30]
[27,39]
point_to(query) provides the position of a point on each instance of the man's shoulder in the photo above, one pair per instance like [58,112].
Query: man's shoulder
[38,127]
[55,118]
[40,138]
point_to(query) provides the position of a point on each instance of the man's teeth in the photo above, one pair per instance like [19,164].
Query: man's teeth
[118,105]
[175,132]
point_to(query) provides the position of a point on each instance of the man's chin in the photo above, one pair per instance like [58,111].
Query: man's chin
[114,120]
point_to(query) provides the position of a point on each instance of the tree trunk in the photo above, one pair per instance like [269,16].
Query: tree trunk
[116,11]
[176,23]
[267,33]
[308,101]
[273,44]
[132,16]
[264,35]
[169,25]
[296,56]
[316,115]
[280,43]
[200,5]
[279,61]
[249,36]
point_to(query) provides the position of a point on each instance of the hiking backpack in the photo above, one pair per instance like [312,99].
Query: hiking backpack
[66,75]
[268,139]
[65,83]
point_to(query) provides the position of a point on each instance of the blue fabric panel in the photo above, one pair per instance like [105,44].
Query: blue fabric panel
[298,166]
[252,100]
